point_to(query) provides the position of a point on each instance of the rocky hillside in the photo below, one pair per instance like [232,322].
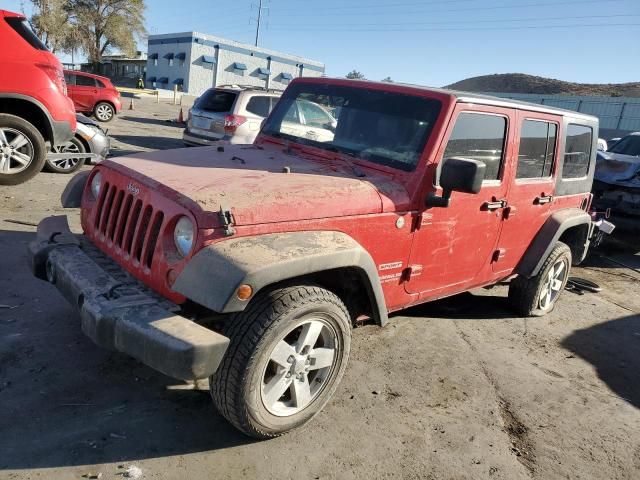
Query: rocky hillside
[521,83]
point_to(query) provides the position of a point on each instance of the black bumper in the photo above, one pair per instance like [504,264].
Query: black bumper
[117,311]
[62,132]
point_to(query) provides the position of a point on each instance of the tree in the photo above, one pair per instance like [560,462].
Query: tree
[387,79]
[51,22]
[356,75]
[107,24]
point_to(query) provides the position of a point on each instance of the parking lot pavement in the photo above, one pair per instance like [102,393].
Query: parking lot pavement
[455,389]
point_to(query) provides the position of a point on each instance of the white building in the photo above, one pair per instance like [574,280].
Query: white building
[196,61]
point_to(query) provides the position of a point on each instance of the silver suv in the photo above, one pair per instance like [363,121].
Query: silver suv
[228,114]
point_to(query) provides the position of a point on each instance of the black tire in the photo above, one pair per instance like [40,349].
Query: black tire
[106,107]
[237,386]
[74,145]
[525,293]
[35,149]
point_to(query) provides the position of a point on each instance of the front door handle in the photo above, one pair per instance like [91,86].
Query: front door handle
[542,199]
[494,205]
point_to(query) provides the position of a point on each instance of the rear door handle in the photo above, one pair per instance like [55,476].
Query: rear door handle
[541,200]
[494,205]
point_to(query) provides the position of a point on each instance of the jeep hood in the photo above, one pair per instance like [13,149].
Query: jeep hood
[262,185]
[618,169]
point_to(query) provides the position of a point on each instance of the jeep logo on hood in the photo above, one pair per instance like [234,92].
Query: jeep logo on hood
[133,189]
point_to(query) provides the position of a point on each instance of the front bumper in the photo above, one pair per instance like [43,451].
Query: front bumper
[118,312]
[62,132]
[100,144]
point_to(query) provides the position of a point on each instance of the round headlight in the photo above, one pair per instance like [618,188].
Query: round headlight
[96,182]
[183,236]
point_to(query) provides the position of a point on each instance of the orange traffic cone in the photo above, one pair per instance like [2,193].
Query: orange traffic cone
[131,106]
[180,116]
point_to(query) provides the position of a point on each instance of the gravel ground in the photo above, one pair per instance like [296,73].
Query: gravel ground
[455,389]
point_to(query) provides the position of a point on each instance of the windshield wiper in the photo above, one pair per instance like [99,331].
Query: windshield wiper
[345,158]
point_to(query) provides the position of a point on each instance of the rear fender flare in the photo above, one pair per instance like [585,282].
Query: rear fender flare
[213,275]
[557,224]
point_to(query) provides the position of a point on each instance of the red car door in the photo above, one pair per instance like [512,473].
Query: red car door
[85,92]
[453,247]
[532,186]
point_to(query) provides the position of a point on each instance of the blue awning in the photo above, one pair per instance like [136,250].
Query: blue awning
[286,76]
[181,55]
[239,66]
[163,80]
[169,55]
[208,59]
[179,81]
[151,79]
[264,71]
[153,56]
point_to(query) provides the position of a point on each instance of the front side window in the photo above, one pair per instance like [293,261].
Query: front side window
[537,149]
[386,128]
[577,151]
[478,136]
[83,81]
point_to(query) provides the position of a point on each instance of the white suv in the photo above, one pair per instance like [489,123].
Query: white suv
[228,114]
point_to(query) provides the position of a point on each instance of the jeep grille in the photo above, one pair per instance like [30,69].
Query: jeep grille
[127,223]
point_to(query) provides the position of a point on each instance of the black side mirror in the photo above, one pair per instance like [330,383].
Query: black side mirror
[458,175]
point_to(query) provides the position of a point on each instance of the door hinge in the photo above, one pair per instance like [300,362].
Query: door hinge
[226,220]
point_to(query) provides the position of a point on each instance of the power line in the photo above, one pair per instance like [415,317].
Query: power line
[532,27]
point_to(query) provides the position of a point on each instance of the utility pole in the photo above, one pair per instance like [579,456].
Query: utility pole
[258,21]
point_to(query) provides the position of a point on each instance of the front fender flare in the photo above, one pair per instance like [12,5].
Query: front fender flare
[213,275]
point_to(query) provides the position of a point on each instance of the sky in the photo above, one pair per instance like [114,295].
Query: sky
[429,42]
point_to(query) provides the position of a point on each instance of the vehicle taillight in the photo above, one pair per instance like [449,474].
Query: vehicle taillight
[55,74]
[232,122]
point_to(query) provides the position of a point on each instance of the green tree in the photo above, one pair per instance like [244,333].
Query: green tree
[356,75]
[51,21]
[108,24]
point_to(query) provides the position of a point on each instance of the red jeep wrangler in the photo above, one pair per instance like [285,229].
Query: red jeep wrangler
[34,107]
[250,264]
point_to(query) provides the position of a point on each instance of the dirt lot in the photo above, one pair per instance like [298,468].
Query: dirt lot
[456,389]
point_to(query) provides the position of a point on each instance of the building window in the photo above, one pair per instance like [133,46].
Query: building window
[577,151]
[155,62]
[480,137]
[171,62]
[537,149]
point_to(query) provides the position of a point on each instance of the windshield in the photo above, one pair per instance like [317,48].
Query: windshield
[629,145]
[386,128]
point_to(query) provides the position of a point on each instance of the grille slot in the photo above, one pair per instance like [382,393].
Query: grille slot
[128,224]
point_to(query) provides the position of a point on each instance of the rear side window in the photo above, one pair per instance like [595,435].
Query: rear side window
[577,151]
[100,84]
[537,149]
[479,137]
[216,101]
[23,29]
[83,81]
[259,105]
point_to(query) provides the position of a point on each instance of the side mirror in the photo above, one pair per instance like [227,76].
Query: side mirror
[458,175]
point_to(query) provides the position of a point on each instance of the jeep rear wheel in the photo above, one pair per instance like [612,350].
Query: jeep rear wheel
[537,296]
[22,150]
[287,354]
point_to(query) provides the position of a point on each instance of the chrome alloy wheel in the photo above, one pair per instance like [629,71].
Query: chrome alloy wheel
[299,367]
[66,163]
[104,112]
[553,284]
[16,151]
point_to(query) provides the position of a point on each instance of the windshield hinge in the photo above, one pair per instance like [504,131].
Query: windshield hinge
[226,219]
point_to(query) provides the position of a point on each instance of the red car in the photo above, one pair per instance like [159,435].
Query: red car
[93,94]
[34,107]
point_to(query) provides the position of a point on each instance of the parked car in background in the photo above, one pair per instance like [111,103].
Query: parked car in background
[34,107]
[93,94]
[89,138]
[255,261]
[616,183]
[228,114]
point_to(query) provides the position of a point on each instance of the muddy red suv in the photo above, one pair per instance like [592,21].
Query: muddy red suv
[93,94]
[250,264]
[34,107]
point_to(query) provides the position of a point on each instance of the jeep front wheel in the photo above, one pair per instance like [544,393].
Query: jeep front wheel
[287,354]
[22,150]
[536,296]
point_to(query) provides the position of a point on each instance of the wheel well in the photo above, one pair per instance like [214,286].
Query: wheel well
[29,112]
[576,239]
[349,283]
[104,101]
